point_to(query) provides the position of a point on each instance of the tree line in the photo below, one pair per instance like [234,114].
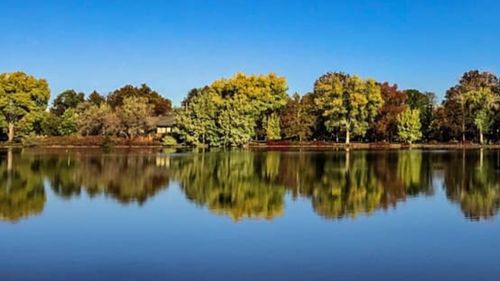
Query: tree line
[235,111]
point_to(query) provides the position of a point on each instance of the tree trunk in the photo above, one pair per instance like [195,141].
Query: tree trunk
[481,137]
[347,137]
[11,132]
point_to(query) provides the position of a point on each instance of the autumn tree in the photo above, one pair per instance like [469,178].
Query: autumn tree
[230,111]
[21,95]
[135,116]
[297,119]
[348,103]
[273,131]
[459,108]
[98,120]
[394,103]
[159,104]
[96,98]
[409,126]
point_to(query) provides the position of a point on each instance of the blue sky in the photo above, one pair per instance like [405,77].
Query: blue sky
[177,45]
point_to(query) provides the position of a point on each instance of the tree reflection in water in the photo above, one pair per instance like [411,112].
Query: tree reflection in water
[253,184]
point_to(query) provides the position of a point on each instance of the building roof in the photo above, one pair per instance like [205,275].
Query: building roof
[166,120]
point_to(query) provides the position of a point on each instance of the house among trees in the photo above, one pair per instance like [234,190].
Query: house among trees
[165,124]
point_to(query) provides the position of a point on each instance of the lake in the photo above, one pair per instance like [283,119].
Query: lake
[249,215]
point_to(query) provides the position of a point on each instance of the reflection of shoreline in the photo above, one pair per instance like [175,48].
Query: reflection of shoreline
[252,184]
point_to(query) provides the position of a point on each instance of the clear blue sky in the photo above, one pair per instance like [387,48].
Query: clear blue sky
[176,45]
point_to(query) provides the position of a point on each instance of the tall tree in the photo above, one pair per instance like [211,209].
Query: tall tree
[96,98]
[66,100]
[273,131]
[347,102]
[424,103]
[394,103]
[20,95]
[135,116]
[297,119]
[409,125]
[239,105]
[481,102]
[160,105]
[197,117]
[98,120]
[457,106]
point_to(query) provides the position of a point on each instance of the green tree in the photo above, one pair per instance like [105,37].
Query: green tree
[159,104]
[409,126]
[347,103]
[238,106]
[273,127]
[481,102]
[68,122]
[457,107]
[66,100]
[424,102]
[197,117]
[21,94]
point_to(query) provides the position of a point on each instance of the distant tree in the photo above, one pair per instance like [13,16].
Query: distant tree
[409,126]
[65,100]
[238,105]
[197,118]
[68,122]
[297,118]
[96,98]
[424,102]
[394,103]
[20,95]
[160,105]
[347,103]
[481,102]
[135,116]
[457,106]
[273,131]
[98,120]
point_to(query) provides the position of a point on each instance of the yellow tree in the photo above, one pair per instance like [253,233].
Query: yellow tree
[348,103]
[20,96]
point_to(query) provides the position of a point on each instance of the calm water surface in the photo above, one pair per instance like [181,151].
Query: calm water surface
[243,215]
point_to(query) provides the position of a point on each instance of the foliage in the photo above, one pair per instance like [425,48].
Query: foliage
[135,116]
[297,118]
[159,104]
[347,102]
[66,100]
[98,120]
[169,140]
[21,94]
[424,103]
[409,126]
[96,99]
[68,124]
[229,112]
[394,103]
[272,127]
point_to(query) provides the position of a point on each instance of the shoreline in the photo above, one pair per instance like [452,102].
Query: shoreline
[277,146]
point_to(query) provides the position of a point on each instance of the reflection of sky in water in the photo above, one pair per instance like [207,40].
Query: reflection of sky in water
[426,237]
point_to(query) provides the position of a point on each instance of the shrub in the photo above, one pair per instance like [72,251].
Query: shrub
[169,140]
